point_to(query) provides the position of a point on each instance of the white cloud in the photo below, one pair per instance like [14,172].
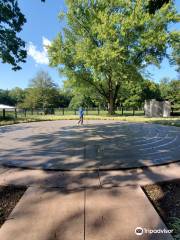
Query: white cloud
[40,57]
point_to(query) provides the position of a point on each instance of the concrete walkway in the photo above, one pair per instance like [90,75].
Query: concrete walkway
[74,180]
[98,214]
[84,205]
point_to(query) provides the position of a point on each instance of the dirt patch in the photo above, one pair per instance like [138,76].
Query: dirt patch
[166,199]
[9,196]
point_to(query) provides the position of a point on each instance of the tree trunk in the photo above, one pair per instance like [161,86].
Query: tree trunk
[111,102]
[111,105]
[133,111]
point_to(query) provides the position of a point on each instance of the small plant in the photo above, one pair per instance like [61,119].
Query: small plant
[175,225]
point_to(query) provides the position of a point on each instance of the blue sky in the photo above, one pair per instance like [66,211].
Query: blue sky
[42,26]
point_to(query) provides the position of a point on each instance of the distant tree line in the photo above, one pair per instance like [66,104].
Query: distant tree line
[43,93]
[131,95]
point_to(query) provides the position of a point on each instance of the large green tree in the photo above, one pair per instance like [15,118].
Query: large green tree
[107,43]
[42,92]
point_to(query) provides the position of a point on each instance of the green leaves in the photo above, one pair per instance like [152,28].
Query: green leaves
[12,48]
[170,90]
[106,43]
[42,92]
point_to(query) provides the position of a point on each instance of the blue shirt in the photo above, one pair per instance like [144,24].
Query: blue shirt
[81,112]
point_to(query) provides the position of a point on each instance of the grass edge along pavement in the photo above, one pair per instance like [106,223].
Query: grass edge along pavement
[171,121]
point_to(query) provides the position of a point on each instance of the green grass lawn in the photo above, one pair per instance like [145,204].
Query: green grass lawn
[172,121]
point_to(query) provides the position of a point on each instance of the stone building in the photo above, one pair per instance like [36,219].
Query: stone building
[154,108]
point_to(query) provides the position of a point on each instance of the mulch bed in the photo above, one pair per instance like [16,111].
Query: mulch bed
[166,199]
[9,196]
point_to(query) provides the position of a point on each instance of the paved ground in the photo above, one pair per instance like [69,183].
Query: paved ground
[75,180]
[100,145]
[97,201]
[84,205]
[98,214]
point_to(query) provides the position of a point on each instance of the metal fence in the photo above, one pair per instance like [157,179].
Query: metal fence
[25,113]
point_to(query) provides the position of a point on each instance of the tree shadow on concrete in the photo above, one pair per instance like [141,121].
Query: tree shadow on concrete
[54,214]
[102,146]
[93,155]
[78,151]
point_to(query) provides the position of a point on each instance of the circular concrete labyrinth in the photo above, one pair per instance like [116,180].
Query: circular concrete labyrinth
[62,145]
